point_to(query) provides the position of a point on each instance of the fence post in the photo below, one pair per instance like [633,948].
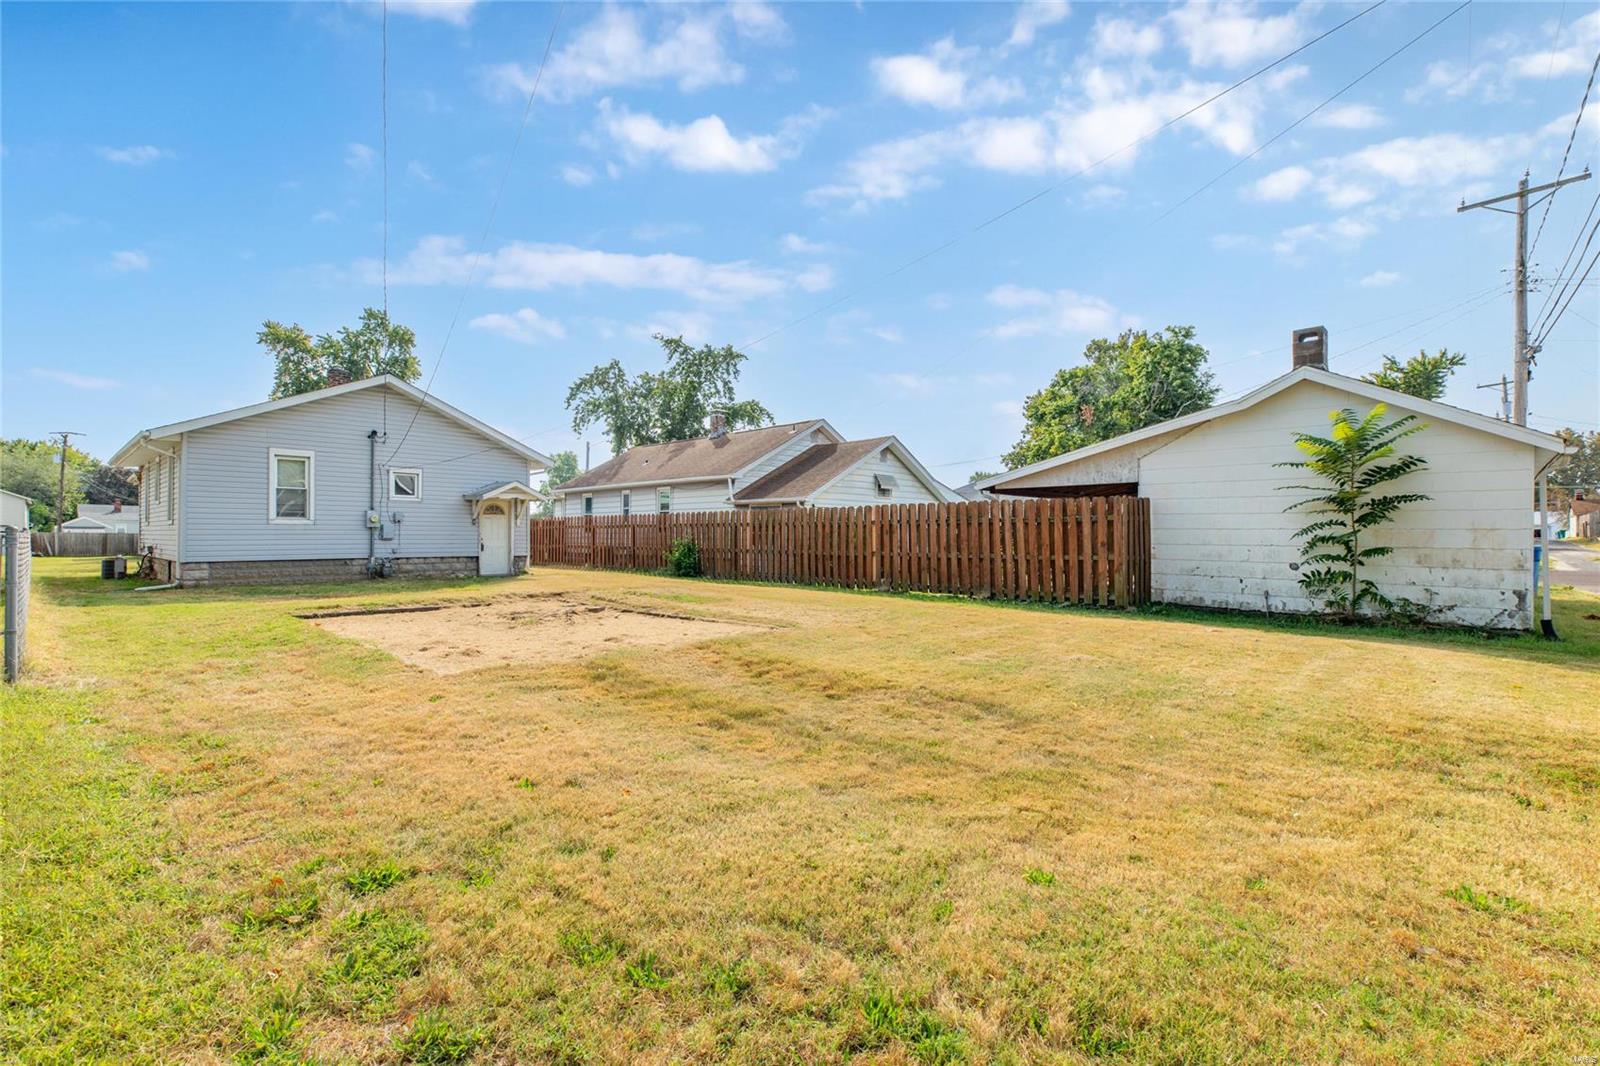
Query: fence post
[17,547]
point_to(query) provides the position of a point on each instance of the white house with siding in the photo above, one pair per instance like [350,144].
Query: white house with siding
[104,518]
[13,509]
[798,464]
[366,477]
[1220,536]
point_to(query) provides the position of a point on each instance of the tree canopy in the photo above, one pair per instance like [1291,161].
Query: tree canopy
[29,468]
[1423,375]
[376,346]
[563,468]
[671,405]
[1136,380]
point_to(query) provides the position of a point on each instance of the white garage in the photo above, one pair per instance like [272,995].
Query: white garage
[1220,536]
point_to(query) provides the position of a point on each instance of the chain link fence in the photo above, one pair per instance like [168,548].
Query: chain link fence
[17,558]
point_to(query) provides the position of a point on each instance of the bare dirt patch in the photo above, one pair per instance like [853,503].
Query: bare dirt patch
[452,638]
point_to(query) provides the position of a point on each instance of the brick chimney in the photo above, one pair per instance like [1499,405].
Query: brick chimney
[1310,347]
[116,506]
[338,375]
[719,424]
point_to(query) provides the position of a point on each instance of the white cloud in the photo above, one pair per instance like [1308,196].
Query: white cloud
[358,157]
[1285,184]
[1052,313]
[525,326]
[626,46]
[798,245]
[126,261]
[660,231]
[940,79]
[706,144]
[695,327]
[815,278]
[134,155]
[1344,233]
[455,12]
[1034,16]
[1349,117]
[324,216]
[573,174]
[1125,37]
[419,173]
[1233,34]
[442,260]
[1509,57]
[1379,279]
[73,380]
[1112,106]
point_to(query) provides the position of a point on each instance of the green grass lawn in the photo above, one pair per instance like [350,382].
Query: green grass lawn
[885,828]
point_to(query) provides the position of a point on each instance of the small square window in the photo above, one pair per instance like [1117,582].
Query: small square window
[664,499]
[405,484]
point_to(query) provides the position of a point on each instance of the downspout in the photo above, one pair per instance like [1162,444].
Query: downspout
[1546,624]
[372,502]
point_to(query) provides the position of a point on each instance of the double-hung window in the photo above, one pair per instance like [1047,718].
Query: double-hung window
[664,499]
[627,503]
[405,484]
[588,503]
[290,495]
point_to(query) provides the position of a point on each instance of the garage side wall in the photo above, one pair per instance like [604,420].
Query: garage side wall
[1220,536]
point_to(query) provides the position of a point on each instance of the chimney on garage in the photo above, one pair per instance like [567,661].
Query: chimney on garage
[1310,347]
[719,423]
[338,375]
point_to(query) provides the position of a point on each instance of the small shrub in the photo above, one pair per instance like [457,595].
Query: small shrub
[375,878]
[433,1039]
[1037,876]
[646,972]
[683,559]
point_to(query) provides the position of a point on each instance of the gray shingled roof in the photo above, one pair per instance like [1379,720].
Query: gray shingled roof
[703,457]
[809,471]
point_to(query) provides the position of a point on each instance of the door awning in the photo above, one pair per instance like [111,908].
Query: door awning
[509,490]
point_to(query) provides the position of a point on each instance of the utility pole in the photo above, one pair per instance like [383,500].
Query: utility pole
[1522,355]
[61,484]
[586,457]
[1504,386]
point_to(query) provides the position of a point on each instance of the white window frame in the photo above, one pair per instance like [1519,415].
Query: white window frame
[415,472]
[273,455]
[172,490]
[663,499]
[588,503]
[627,503]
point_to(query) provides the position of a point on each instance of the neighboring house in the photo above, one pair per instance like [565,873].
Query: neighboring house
[971,493]
[1220,536]
[105,518]
[13,509]
[1583,518]
[371,476]
[801,464]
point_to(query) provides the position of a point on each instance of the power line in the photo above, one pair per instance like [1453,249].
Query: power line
[1568,152]
[483,239]
[1289,128]
[1573,295]
[1042,193]
[1568,290]
[1561,271]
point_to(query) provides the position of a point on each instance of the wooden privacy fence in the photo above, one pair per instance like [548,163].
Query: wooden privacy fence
[1090,550]
[84,542]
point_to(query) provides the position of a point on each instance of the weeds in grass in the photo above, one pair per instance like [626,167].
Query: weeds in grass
[376,950]
[1488,902]
[376,877]
[586,949]
[1094,1032]
[1256,883]
[434,1040]
[571,846]
[645,972]
[527,784]
[281,906]
[942,910]
[1037,876]
[923,1033]
[731,979]
[608,853]
[269,1036]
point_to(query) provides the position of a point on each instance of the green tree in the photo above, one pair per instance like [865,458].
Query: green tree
[377,346]
[108,484]
[1136,380]
[672,405]
[31,468]
[1423,375]
[1357,458]
[563,468]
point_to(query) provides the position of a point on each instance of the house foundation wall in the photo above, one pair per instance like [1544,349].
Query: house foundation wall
[302,571]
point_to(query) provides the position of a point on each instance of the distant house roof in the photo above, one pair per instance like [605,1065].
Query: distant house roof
[813,469]
[135,451]
[16,495]
[700,459]
[1585,506]
[92,510]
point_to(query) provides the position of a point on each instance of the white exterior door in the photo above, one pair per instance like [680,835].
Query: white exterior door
[494,540]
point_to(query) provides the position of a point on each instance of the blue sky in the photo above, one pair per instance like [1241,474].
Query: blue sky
[175,174]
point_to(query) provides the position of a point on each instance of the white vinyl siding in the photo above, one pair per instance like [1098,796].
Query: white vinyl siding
[859,487]
[780,455]
[159,513]
[227,476]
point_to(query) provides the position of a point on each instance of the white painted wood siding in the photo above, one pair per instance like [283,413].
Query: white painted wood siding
[1220,536]
[859,489]
[227,471]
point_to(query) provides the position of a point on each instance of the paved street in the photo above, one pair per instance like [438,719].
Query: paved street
[1574,564]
